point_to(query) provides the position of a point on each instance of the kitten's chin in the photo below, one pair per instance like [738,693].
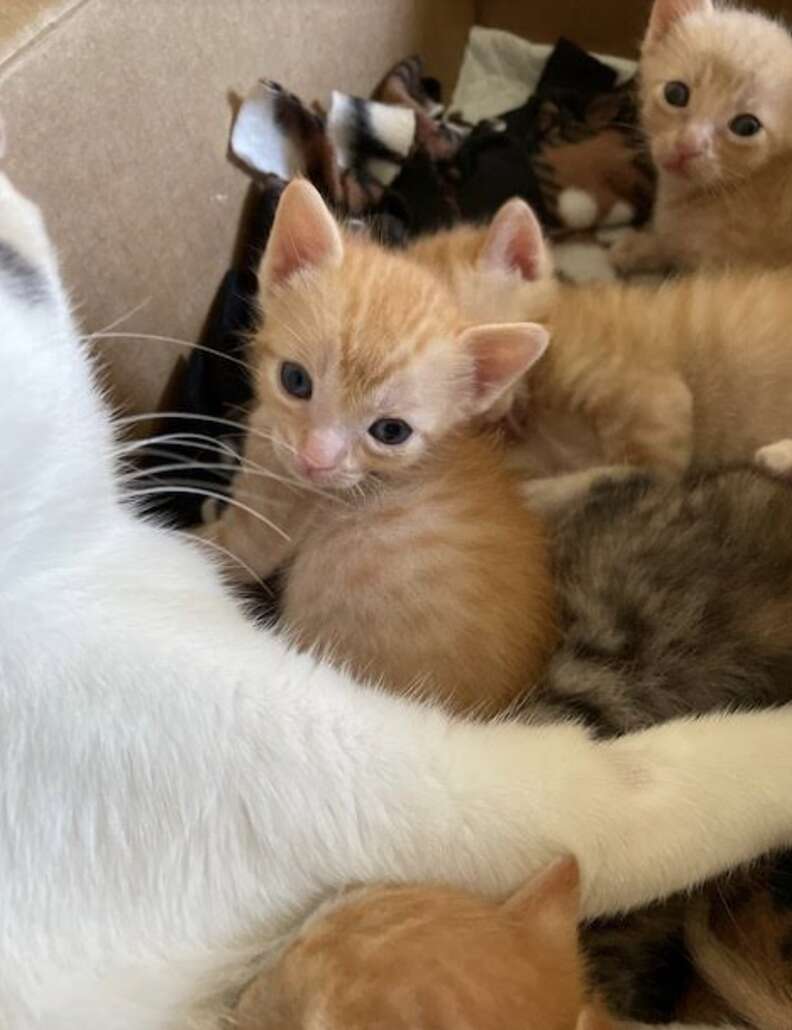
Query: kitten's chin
[335,482]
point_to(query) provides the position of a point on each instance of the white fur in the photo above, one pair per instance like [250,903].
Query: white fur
[177,787]
[576,208]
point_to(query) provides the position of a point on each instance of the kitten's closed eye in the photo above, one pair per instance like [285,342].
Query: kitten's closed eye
[745,125]
[676,93]
[391,431]
[296,381]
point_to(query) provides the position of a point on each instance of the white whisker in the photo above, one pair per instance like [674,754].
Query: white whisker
[121,318]
[200,440]
[250,468]
[228,554]
[125,420]
[213,495]
[152,338]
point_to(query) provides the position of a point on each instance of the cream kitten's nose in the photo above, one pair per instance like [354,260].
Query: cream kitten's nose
[321,451]
[692,143]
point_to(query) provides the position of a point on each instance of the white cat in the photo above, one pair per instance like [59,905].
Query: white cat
[177,786]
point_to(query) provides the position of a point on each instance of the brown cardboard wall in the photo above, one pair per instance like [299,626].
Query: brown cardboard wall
[118,117]
[602,25]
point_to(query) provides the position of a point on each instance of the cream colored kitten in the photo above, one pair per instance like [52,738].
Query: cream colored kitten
[412,554]
[717,107]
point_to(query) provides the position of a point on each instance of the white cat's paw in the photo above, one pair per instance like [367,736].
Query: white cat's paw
[776,458]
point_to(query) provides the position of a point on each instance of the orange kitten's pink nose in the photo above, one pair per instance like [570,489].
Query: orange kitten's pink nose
[682,157]
[321,451]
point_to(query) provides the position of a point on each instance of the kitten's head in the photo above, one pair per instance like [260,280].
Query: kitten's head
[717,88]
[407,958]
[365,357]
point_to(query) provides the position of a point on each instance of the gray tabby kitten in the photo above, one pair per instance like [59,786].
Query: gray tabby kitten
[675,598]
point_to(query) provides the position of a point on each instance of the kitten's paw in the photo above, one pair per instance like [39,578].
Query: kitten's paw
[635,251]
[776,458]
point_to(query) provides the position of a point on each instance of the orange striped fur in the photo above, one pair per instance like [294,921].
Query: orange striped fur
[422,958]
[417,565]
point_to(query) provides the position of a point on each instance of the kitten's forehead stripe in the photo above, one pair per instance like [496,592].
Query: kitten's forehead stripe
[393,310]
[21,275]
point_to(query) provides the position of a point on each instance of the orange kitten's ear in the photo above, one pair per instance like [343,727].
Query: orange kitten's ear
[666,12]
[501,354]
[593,1018]
[304,235]
[515,242]
[554,892]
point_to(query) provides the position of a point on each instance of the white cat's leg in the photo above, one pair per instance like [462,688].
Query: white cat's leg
[654,811]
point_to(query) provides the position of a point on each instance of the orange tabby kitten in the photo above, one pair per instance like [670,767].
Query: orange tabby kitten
[717,88]
[424,958]
[698,369]
[411,551]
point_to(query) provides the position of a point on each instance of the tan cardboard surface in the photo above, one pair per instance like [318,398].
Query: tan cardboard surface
[117,122]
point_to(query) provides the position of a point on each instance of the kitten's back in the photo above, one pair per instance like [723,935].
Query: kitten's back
[675,599]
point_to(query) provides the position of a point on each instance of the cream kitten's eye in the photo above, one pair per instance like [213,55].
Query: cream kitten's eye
[677,94]
[391,431]
[295,380]
[745,125]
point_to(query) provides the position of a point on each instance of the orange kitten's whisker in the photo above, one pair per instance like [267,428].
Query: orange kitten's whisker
[204,442]
[152,338]
[214,495]
[200,485]
[251,467]
[127,420]
[228,554]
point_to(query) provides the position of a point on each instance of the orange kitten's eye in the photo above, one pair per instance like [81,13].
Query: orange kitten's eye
[391,431]
[295,380]
[745,125]
[677,94]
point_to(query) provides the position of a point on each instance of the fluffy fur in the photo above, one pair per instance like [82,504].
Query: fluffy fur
[405,556]
[723,198]
[698,370]
[675,599]
[178,786]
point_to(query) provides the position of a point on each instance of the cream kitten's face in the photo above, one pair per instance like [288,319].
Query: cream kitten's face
[413,958]
[364,360]
[716,87]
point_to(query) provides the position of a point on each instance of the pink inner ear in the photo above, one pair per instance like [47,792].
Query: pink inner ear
[514,241]
[304,234]
[666,12]
[501,354]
